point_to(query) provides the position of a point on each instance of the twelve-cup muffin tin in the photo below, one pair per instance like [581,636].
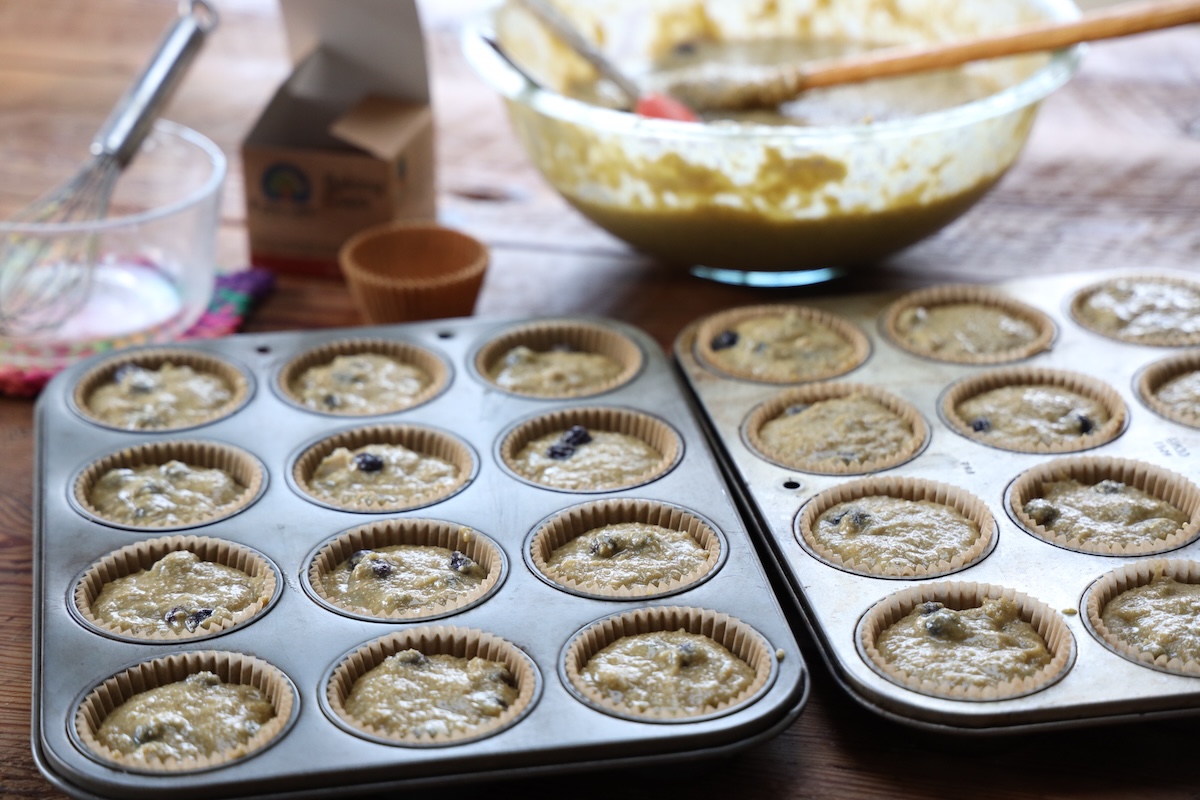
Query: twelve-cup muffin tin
[307,640]
[1099,684]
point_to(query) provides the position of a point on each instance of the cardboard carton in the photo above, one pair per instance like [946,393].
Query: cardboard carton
[347,140]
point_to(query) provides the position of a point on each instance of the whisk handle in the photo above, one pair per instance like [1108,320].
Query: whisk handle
[126,127]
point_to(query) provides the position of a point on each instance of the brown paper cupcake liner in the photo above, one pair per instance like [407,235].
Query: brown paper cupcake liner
[1048,623]
[575,522]
[1163,484]
[432,640]
[774,407]
[731,633]
[1152,378]
[426,441]
[914,489]
[234,377]
[654,432]
[973,386]
[1131,576]
[244,468]
[403,352]
[580,337]
[415,533]
[1164,338]
[234,668]
[709,328]
[144,555]
[966,294]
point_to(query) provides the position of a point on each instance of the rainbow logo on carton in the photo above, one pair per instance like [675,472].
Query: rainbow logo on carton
[284,181]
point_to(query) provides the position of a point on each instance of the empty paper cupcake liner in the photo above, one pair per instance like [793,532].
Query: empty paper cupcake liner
[233,668]
[914,489]
[1159,336]
[1074,382]
[415,533]
[1151,380]
[1049,624]
[1171,488]
[963,294]
[462,643]
[574,522]
[144,555]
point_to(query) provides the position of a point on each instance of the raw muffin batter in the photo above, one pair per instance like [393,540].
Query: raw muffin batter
[1160,618]
[957,330]
[880,533]
[1181,394]
[979,647]
[167,397]
[363,383]
[1108,513]
[627,554]
[1022,417]
[555,372]
[402,577]
[164,494]
[667,671]
[178,593]
[1133,309]
[381,475]
[783,347]
[197,717]
[582,459]
[836,433]
[416,695]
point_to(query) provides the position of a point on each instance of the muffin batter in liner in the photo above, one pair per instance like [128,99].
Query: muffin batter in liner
[712,327]
[578,336]
[914,489]
[143,555]
[1165,337]
[416,533]
[734,635]
[234,668]
[433,640]
[1083,385]
[579,520]
[1048,623]
[1163,484]
[806,395]
[245,469]
[400,351]
[965,294]
[1151,379]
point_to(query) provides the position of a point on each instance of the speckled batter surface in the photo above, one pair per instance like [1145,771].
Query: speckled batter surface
[1106,513]
[554,373]
[608,460]
[1023,417]
[173,493]
[627,554]
[785,346]
[1133,309]
[960,330]
[1181,394]
[881,533]
[399,476]
[1160,618]
[837,432]
[167,397]
[401,577]
[364,383]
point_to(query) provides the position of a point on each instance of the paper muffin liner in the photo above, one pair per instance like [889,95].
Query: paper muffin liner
[654,432]
[144,555]
[956,294]
[709,328]
[1091,388]
[403,352]
[403,271]
[775,406]
[245,469]
[1152,378]
[433,640]
[579,520]
[426,441]
[916,490]
[730,632]
[415,533]
[235,378]
[581,337]
[1165,338]
[234,668]
[1163,484]
[1131,576]
[1048,623]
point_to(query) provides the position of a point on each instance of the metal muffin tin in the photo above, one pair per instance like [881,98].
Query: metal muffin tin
[305,639]
[1100,686]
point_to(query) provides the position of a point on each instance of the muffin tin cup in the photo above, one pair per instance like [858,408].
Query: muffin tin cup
[1157,338]
[1151,380]
[141,556]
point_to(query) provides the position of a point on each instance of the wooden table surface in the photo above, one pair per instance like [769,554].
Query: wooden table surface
[1109,179]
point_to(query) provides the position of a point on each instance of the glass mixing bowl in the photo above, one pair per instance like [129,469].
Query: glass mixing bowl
[754,203]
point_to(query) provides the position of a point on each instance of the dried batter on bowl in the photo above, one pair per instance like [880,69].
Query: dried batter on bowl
[555,372]
[1106,513]
[170,396]
[360,383]
[173,493]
